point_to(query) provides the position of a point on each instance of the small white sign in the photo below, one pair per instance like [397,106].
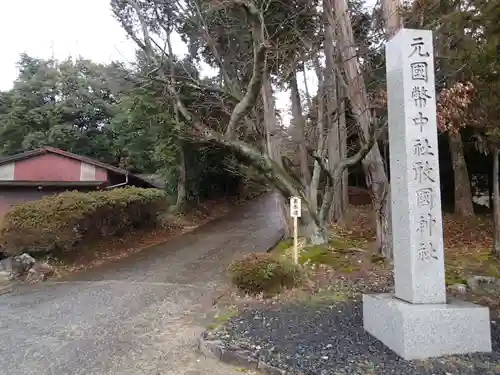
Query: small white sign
[295,207]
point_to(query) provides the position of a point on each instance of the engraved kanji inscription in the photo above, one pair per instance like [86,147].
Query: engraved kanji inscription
[426,251]
[425,224]
[423,172]
[419,71]
[420,121]
[424,197]
[420,95]
[422,147]
[418,47]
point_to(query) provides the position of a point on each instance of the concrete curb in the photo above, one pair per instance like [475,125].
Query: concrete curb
[237,357]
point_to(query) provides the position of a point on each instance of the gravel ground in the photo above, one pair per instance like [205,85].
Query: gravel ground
[139,315]
[328,339]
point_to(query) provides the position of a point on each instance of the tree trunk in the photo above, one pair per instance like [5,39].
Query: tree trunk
[298,131]
[273,145]
[181,184]
[314,232]
[373,163]
[332,112]
[181,167]
[496,203]
[392,17]
[490,188]
[343,151]
[306,89]
[463,194]
[270,123]
[320,115]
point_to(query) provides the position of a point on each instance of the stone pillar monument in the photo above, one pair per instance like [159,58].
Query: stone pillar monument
[417,321]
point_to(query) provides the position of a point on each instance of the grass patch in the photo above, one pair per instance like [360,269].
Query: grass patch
[463,263]
[454,276]
[334,254]
[327,296]
[283,245]
[222,318]
[377,259]
[326,255]
[346,243]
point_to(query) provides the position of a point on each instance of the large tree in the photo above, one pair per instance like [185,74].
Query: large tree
[267,51]
[453,46]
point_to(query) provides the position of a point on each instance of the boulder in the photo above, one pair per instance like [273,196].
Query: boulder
[24,266]
[39,272]
[459,288]
[25,259]
[487,282]
[20,265]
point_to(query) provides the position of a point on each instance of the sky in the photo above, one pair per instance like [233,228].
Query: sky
[59,28]
[63,28]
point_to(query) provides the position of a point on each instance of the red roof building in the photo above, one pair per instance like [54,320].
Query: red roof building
[33,174]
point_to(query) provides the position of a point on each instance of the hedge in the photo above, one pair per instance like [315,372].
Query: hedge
[60,222]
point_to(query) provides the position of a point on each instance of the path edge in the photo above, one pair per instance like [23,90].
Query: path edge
[236,356]
[4,289]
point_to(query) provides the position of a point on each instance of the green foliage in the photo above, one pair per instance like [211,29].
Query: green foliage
[466,51]
[222,318]
[284,245]
[65,104]
[60,222]
[262,272]
[146,134]
[115,115]
[333,254]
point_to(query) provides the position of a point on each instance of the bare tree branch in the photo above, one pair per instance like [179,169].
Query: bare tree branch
[250,97]
[146,45]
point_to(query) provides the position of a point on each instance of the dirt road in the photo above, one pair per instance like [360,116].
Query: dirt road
[140,315]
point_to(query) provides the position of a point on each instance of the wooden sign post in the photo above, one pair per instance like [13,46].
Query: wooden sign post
[295,212]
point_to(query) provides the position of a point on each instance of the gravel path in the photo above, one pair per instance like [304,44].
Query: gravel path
[328,339]
[140,315]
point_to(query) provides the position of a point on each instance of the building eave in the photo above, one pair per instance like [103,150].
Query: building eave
[65,184]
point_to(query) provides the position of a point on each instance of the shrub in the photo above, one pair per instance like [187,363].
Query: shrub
[262,272]
[62,221]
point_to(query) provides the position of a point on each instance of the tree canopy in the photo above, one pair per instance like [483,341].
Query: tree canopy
[165,116]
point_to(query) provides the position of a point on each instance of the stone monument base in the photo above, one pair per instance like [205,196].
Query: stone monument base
[419,331]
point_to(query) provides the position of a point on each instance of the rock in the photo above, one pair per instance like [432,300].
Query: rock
[19,265]
[459,288]
[39,272]
[475,282]
[269,369]
[24,265]
[25,259]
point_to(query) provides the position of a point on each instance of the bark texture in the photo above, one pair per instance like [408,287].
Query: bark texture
[496,203]
[335,134]
[392,17]
[273,145]
[298,131]
[463,194]
[373,164]
[182,183]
